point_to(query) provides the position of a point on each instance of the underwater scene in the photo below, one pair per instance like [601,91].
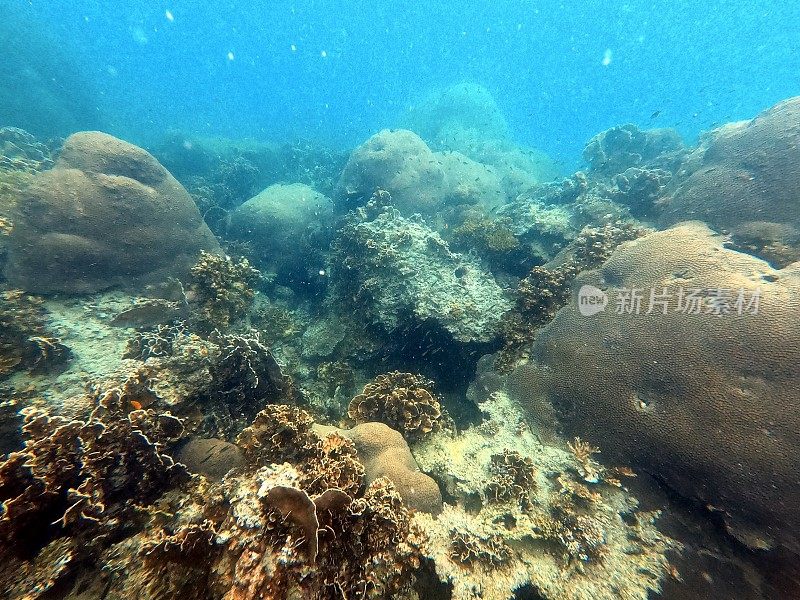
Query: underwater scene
[443,300]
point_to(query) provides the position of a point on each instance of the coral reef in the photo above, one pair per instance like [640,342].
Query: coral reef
[400,273]
[485,235]
[548,288]
[626,146]
[25,342]
[743,176]
[565,541]
[279,432]
[403,401]
[398,162]
[210,457]
[513,477]
[719,348]
[467,548]
[90,481]
[385,454]
[108,214]
[220,290]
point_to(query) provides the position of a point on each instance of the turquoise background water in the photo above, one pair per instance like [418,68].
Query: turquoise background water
[338,71]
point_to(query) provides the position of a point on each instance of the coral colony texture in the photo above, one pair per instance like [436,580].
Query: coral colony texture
[431,369]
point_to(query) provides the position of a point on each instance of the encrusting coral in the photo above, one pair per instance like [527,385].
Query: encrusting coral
[403,401]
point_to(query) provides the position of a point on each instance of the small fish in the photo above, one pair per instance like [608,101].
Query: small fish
[136,405]
[655,114]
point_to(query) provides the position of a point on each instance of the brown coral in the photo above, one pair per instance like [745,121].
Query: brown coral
[401,400]
[284,433]
[384,453]
[279,433]
[513,478]
[25,342]
[221,289]
[467,548]
[107,214]
[648,386]
[84,479]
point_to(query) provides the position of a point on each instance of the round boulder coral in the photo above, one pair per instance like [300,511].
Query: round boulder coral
[283,224]
[744,176]
[108,214]
[400,163]
[697,384]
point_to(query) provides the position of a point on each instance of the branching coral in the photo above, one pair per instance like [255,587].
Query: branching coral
[513,478]
[222,290]
[401,400]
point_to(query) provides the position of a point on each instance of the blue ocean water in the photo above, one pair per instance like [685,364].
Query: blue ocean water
[339,71]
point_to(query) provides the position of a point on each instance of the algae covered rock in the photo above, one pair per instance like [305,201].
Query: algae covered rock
[401,274]
[697,384]
[108,214]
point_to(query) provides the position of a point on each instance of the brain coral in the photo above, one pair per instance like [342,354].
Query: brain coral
[707,402]
[743,173]
[384,453]
[107,214]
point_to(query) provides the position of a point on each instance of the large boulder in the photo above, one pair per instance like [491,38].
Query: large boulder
[399,162]
[108,214]
[284,225]
[708,402]
[745,178]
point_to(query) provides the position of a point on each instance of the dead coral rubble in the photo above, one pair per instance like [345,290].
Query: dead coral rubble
[403,401]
